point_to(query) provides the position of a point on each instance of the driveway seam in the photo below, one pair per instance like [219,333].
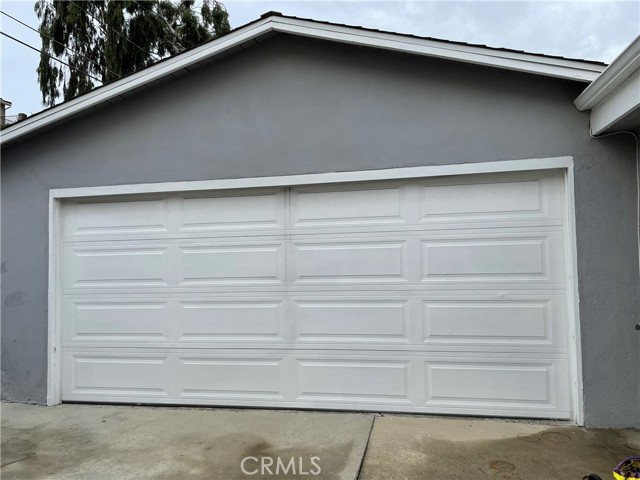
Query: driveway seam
[366,447]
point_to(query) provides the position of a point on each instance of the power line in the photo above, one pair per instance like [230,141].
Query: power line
[50,56]
[114,31]
[59,43]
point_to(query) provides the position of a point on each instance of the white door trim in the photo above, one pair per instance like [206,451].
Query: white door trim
[573,301]
[56,196]
[54,336]
[319,178]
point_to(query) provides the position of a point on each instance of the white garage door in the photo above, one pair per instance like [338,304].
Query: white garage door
[441,295]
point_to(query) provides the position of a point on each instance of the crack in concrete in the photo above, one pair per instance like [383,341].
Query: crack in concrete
[18,460]
[366,446]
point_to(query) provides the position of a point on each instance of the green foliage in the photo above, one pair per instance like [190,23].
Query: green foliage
[108,39]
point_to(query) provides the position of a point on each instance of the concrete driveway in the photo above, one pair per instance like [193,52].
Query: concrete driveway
[121,442]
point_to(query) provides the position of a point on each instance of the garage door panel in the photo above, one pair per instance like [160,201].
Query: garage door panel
[354,321]
[205,321]
[115,320]
[391,380]
[346,319]
[488,322]
[441,295]
[491,198]
[124,266]
[230,378]
[489,258]
[232,264]
[87,219]
[481,199]
[331,206]
[115,375]
[497,383]
[258,211]
[343,379]
[344,261]
[507,258]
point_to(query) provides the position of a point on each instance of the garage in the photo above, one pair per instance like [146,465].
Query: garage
[440,294]
[382,222]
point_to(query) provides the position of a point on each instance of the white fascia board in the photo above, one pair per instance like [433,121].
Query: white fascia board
[522,62]
[165,68]
[559,68]
[617,105]
[614,75]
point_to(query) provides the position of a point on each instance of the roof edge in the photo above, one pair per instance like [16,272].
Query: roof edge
[567,69]
[622,67]
[161,69]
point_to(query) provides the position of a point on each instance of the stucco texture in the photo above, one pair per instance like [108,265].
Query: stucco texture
[296,106]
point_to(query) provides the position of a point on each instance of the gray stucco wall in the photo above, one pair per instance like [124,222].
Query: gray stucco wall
[296,106]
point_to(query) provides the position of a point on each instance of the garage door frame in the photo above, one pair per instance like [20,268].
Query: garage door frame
[57,196]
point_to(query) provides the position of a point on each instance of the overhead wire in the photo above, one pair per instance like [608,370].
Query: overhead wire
[50,56]
[56,41]
[116,32]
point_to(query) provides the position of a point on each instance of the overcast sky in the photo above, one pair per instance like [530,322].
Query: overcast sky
[595,30]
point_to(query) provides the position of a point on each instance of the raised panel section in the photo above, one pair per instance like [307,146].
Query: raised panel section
[101,218]
[214,320]
[116,266]
[488,322]
[219,378]
[499,383]
[340,207]
[350,262]
[351,320]
[116,375]
[233,212]
[466,201]
[115,320]
[354,380]
[232,264]
[505,257]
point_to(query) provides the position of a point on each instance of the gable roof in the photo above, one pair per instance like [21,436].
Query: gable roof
[273,22]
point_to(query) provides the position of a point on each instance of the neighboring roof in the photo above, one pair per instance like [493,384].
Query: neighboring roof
[615,94]
[5,102]
[274,22]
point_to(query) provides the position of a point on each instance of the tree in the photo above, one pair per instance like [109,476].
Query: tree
[103,40]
